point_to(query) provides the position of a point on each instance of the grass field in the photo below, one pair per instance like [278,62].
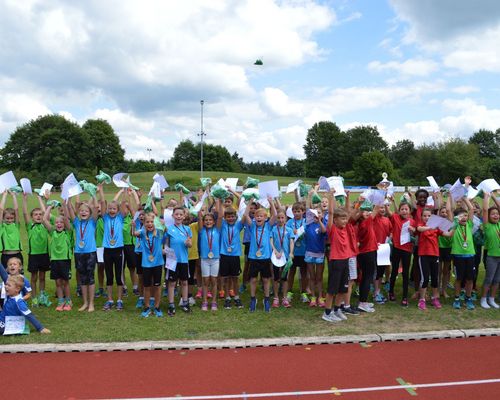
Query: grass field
[300,320]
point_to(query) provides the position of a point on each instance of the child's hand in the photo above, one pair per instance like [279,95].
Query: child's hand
[45,331]
[188,242]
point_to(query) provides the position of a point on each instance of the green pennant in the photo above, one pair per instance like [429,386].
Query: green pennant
[53,203]
[180,186]
[205,182]
[88,187]
[219,192]
[103,178]
[252,182]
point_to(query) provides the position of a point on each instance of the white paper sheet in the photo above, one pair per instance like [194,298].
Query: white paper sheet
[488,185]
[264,203]
[118,180]
[433,184]
[323,184]
[476,223]
[437,222]
[337,183]
[70,187]
[7,181]
[377,197]
[100,254]
[231,183]
[26,185]
[472,193]
[269,188]
[293,186]
[457,191]
[300,232]
[155,190]
[171,259]
[168,219]
[279,262]
[289,212]
[161,180]
[405,236]
[310,215]
[14,325]
[46,187]
[242,208]
[384,254]
[429,202]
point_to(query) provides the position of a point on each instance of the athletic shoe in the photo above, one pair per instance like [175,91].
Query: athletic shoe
[238,303]
[108,306]
[321,302]
[355,292]
[199,294]
[380,299]
[35,301]
[227,304]
[312,303]
[243,287]
[387,287]
[145,313]
[185,307]
[231,293]
[370,304]
[457,304]
[97,294]
[60,305]
[214,306]
[285,303]
[484,303]
[158,313]
[140,303]
[404,302]
[68,305]
[350,311]
[191,301]
[165,292]
[171,310]
[340,314]
[462,295]
[78,291]
[449,285]
[392,297]
[135,292]
[125,292]
[253,304]
[304,298]
[204,306]
[473,296]
[491,302]
[222,294]
[365,307]
[267,305]
[421,305]
[276,302]
[181,302]
[209,294]
[470,304]
[436,303]
[119,305]
[330,318]
[289,296]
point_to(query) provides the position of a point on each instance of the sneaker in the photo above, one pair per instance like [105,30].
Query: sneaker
[34,302]
[313,303]
[289,296]
[321,302]
[404,302]
[267,305]
[340,314]
[165,292]
[355,292]
[484,303]
[243,287]
[171,310]
[78,291]
[214,306]
[140,303]
[227,304]
[231,293]
[392,297]
[68,305]
[365,307]
[209,294]
[276,302]
[387,287]
[145,313]
[350,311]
[185,307]
[380,299]
[238,303]
[199,294]
[492,303]
[304,298]
[462,295]
[108,306]
[60,305]
[135,292]
[158,313]
[191,301]
[97,294]
[222,294]
[473,296]
[285,303]
[125,292]
[421,305]
[204,306]
[119,305]
[253,304]
[330,318]
[436,303]
[457,304]
[470,304]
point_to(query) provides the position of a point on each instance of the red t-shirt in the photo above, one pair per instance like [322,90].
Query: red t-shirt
[383,228]
[397,224]
[428,244]
[366,236]
[341,242]
[417,213]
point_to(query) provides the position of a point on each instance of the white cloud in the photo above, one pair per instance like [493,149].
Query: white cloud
[411,67]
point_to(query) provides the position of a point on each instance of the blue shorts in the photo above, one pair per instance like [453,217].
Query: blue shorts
[314,260]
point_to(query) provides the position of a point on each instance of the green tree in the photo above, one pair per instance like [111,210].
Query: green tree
[186,157]
[295,167]
[424,162]
[107,153]
[457,159]
[488,143]
[324,149]
[215,158]
[401,152]
[369,166]
[362,139]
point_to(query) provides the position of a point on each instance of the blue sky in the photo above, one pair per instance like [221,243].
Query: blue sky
[424,70]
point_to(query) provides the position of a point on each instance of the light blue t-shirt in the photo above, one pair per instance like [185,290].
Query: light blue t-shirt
[138,241]
[231,232]
[300,245]
[246,234]
[205,236]
[282,235]
[260,236]
[178,235]
[113,230]
[84,235]
[152,242]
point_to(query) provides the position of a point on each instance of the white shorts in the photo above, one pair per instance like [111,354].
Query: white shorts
[353,269]
[209,267]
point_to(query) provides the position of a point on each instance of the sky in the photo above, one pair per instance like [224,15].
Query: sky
[422,70]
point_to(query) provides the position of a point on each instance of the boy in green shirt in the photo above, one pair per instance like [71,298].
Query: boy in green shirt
[10,232]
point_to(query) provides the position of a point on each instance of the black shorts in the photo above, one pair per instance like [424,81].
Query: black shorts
[445,254]
[181,273]
[229,266]
[38,262]
[299,262]
[151,276]
[138,263]
[338,276]
[60,269]
[464,268]
[260,266]
[129,256]
[277,272]
[192,271]
[247,248]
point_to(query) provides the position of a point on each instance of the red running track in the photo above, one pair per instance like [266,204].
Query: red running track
[261,370]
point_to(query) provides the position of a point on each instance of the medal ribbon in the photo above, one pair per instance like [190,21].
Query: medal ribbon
[282,238]
[82,233]
[463,232]
[230,235]
[295,223]
[182,231]
[151,245]
[210,238]
[112,228]
[259,242]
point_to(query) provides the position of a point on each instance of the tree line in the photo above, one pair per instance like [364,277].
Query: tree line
[50,147]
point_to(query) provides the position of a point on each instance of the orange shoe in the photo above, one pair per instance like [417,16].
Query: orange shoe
[231,293]
[60,306]
[222,294]
[68,305]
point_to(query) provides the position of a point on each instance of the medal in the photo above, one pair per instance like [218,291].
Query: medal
[465,245]
[210,240]
[463,232]
[81,244]
[297,244]
[112,242]
[230,235]
[229,249]
[82,233]
[151,258]
[210,255]
[258,253]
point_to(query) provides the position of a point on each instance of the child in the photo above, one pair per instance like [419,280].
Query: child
[444,243]
[383,228]
[297,224]
[38,250]
[401,251]
[282,246]
[14,304]
[179,238]
[491,226]
[129,257]
[14,267]
[60,246]
[10,233]
[428,259]
[151,261]
[99,237]
[246,242]
[85,252]
[260,252]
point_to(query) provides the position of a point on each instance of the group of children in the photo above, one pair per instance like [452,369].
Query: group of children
[203,251]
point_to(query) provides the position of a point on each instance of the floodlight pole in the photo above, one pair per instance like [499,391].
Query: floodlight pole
[149,152]
[201,134]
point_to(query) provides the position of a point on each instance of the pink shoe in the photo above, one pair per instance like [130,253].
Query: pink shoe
[285,303]
[199,294]
[436,303]
[312,303]
[276,302]
[421,305]
[321,302]
[60,306]
[204,306]
[209,294]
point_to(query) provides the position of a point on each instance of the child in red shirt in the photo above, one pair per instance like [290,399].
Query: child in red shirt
[383,228]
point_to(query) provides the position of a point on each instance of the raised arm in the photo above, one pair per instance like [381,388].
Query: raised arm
[27,218]
[46,218]
[486,206]
[102,201]
[470,208]
[331,207]
[67,224]
[449,211]
[272,219]
[246,216]
[220,213]
[2,205]
[16,207]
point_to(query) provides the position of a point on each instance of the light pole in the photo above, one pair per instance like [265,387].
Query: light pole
[201,134]
[149,152]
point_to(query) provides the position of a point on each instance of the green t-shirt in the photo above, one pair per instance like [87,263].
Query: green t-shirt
[444,242]
[127,227]
[60,245]
[462,242]
[99,232]
[38,238]
[492,239]
[11,237]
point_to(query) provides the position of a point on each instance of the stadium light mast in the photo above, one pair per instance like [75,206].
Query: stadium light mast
[201,135]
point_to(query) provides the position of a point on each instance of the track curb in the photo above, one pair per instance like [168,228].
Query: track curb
[244,343]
